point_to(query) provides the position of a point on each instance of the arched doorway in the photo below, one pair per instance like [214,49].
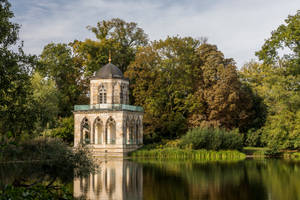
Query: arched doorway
[98,131]
[111,131]
[85,133]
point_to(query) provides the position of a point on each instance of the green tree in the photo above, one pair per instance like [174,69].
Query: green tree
[44,102]
[277,88]
[284,44]
[64,129]
[115,35]
[160,82]
[277,82]
[15,66]
[58,63]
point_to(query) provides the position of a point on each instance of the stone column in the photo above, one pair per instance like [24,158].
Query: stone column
[77,129]
[91,134]
[96,133]
[107,134]
[141,131]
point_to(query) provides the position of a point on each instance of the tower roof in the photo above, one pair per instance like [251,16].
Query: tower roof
[109,71]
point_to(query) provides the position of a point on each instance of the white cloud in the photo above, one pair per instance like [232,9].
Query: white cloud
[238,28]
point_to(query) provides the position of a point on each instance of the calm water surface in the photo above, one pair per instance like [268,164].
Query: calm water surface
[154,180]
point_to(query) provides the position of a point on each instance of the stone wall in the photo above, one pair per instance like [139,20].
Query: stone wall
[122,119]
[113,89]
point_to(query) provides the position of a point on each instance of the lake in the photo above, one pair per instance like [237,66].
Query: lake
[264,179]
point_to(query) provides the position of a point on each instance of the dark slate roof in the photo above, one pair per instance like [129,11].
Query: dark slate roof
[109,71]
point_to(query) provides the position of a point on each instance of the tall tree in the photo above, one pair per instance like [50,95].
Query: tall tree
[184,81]
[277,81]
[115,35]
[15,67]
[58,63]
[45,101]
[284,44]
[225,101]
[160,82]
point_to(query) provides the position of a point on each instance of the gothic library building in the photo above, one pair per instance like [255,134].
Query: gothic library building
[109,126]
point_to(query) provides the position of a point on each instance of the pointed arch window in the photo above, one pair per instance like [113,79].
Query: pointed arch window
[85,131]
[98,131]
[102,94]
[111,131]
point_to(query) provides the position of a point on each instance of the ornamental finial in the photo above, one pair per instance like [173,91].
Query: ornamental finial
[109,57]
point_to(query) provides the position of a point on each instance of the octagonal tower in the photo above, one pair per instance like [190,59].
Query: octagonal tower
[108,125]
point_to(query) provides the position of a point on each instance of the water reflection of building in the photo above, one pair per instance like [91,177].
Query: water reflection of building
[117,179]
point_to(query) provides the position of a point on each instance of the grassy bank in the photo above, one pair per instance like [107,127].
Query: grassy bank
[189,154]
[264,152]
[255,151]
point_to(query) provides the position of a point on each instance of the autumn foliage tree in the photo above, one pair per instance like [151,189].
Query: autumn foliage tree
[226,102]
[184,83]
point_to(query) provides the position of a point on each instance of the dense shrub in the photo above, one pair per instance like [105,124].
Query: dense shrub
[64,130]
[212,139]
[50,150]
[38,191]
[40,168]
[254,138]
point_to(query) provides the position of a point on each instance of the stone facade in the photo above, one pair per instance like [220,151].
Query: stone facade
[117,91]
[108,125]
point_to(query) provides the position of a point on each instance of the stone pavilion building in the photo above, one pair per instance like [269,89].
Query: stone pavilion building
[108,125]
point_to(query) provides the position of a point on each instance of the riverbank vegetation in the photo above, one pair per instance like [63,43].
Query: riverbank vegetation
[45,149]
[201,144]
[181,82]
[39,168]
[188,154]
[212,139]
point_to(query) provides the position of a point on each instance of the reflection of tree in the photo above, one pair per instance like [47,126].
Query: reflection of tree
[31,174]
[282,179]
[160,183]
[241,180]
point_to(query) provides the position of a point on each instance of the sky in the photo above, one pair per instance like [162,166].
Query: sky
[237,27]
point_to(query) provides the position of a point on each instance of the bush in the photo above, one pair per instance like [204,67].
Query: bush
[212,139]
[38,191]
[254,138]
[40,168]
[49,150]
[64,130]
